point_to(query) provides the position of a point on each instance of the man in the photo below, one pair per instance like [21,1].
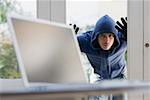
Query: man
[105,47]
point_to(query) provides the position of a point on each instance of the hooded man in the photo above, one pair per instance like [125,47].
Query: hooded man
[105,47]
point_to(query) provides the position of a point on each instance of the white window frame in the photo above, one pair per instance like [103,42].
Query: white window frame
[135,44]
[52,10]
[138,36]
[135,40]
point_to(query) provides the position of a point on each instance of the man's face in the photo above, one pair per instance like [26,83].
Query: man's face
[106,40]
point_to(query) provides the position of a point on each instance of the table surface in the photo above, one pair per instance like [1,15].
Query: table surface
[104,87]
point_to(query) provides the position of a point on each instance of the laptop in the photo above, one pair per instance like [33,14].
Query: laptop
[47,52]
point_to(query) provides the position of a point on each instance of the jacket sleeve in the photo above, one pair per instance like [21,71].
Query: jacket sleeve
[84,42]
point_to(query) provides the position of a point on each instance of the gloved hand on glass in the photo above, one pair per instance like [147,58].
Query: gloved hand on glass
[76,29]
[122,27]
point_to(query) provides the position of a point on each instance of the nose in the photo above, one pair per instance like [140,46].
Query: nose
[107,39]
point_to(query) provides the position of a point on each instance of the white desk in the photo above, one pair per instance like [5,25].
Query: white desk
[72,91]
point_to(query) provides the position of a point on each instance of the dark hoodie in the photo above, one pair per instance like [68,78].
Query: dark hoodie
[109,64]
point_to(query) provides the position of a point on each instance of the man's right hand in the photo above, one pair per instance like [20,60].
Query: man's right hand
[122,27]
[76,29]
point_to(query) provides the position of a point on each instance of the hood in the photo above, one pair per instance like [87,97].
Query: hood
[104,25]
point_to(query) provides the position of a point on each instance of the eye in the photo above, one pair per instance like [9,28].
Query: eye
[102,36]
[111,35]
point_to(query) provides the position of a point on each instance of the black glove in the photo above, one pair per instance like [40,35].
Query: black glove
[76,29]
[122,27]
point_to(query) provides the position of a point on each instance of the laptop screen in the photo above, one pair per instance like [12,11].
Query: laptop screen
[46,51]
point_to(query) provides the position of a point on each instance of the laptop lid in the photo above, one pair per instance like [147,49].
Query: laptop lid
[47,52]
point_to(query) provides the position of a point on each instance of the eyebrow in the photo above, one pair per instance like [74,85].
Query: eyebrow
[107,33]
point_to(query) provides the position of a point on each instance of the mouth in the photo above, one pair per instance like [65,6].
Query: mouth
[106,45]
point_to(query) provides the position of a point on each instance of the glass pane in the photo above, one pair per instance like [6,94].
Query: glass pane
[85,14]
